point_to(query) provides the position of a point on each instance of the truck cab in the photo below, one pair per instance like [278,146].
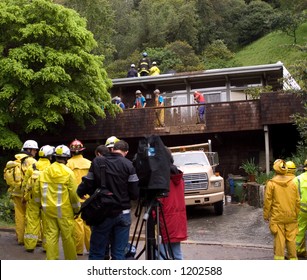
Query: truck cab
[203,186]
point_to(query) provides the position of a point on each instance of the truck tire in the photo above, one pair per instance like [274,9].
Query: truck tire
[219,208]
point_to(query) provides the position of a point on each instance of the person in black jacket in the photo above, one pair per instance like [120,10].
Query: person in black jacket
[122,181]
[132,72]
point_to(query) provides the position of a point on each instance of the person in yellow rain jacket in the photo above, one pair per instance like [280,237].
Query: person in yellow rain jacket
[80,166]
[281,208]
[34,215]
[27,158]
[159,102]
[291,169]
[301,182]
[55,191]
[154,70]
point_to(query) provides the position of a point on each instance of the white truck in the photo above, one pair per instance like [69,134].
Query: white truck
[203,186]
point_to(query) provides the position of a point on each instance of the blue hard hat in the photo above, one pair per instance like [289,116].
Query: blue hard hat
[144,53]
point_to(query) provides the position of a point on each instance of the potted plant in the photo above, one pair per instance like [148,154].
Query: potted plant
[250,169]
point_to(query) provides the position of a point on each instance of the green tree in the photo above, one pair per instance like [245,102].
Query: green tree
[257,20]
[152,24]
[128,28]
[289,20]
[217,20]
[217,55]
[165,58]
[294,5]
[165,21]
[47,70]
[184,59]
[299,72]
[100,21]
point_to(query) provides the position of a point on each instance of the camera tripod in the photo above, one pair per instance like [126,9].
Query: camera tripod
[151,218]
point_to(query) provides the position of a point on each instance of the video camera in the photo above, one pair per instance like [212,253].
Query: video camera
[152,164]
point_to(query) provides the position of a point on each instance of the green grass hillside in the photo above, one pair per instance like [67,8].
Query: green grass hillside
[276,46]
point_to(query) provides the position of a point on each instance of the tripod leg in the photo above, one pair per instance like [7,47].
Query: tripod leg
[140,254]
[150,240]
[138,214]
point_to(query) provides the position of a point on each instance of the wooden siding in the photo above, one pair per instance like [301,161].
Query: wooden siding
[271,108]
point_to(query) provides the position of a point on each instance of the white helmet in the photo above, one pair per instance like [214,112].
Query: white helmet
[132,65]
[30,144]
[46,151]
[111,141]
[62,151]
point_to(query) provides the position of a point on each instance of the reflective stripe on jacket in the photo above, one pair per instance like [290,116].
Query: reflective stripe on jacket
[55,190]
[30,179]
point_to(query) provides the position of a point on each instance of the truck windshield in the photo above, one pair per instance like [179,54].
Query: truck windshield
[190,159]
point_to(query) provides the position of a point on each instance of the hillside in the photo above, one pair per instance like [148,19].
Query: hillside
[276,46]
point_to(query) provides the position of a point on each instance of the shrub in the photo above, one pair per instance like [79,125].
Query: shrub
[6,209]
[262,177]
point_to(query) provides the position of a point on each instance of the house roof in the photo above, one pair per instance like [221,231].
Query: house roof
[270,74]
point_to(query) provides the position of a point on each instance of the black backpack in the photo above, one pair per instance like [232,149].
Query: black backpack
[102,203]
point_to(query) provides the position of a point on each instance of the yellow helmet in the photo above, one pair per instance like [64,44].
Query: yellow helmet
[291,166]
[280,166]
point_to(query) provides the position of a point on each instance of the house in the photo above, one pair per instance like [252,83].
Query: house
[239,127]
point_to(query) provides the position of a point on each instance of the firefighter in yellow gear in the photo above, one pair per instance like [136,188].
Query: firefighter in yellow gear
[159,102]
[281,208]
[301,183]
[34,215]
[55,191]
[27,158]
[291,169]
[80,166]
[154,70]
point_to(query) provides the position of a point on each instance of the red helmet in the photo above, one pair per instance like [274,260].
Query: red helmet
[76,146]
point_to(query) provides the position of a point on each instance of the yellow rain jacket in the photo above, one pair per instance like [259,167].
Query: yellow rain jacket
[34,217]
[16,192]
[154,71]
[80,166]
[281,208]
[282,201]
[29,179]
[301,182]
[56,190]
[26,162]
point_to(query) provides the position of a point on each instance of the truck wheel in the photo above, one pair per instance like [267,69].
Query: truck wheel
[219,208]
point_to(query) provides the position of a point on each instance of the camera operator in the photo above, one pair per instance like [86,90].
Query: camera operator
[122,181]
